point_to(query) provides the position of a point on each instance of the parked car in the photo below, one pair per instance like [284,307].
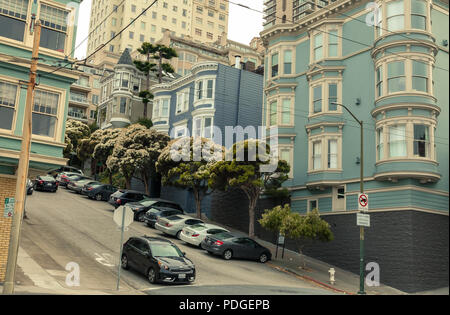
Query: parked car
[63,178]
[174,224]
[141,207]
[230,246]
[155,212]
[159,259]
[98,191]
[77,186]
[62,169]
[75,178]
[29,187]
[123,196]
[195,234]
[45,183]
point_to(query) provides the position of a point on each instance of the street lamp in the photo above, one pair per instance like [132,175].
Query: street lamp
[361,183]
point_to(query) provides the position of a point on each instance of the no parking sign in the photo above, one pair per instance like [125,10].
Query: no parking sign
[363,202]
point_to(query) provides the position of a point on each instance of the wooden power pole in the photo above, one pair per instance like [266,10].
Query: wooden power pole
[22,170]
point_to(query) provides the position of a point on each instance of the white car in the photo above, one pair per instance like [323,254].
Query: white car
[195,234]
[174,224]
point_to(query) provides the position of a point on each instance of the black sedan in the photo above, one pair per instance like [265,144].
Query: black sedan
[98,191]
[154,212]
[159,259]
[123,196]
[230,246]
[45,183]
[141,207]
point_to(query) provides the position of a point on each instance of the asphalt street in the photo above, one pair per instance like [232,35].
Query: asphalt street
[65,227]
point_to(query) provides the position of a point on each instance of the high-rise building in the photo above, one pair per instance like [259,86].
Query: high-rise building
[202,20]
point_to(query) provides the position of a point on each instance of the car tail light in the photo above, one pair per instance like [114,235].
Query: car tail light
[168,224]
[195,235]
[90,188]
[219,243]
[41,182]
[118,201]
[57,183]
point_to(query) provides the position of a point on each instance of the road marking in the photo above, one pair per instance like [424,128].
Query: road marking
[105,259]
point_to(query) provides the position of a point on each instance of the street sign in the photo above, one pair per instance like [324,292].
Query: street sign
[363,202]
[9,207]
[363,219]
[280,239]
[119,216]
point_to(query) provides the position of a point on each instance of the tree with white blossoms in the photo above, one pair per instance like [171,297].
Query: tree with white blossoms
[104,141]
[136,150]
[185,163]
[75,131]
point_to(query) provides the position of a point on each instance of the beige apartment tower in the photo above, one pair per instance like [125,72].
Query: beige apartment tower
[202,20]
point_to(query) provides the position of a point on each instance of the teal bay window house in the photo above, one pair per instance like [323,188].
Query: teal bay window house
[387,61]
[202,104]
[58,32]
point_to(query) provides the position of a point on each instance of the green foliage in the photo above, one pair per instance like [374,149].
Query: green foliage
[147,122]
[117,179]
[75,132]
[272,219]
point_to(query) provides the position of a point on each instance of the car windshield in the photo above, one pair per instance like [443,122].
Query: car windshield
[174,218]
[47,178]
[165,250]
[147,203]
[223,235]
[95,185]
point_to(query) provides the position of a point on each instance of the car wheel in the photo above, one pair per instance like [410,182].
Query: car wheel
[228,254]
[151,275]
[124,262]
[98,197]
[263,258]
[141,217]
[178,235]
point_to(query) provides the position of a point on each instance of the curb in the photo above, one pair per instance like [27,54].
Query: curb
[317,282]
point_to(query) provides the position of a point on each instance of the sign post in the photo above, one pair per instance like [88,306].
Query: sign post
[123,216]
[363,202]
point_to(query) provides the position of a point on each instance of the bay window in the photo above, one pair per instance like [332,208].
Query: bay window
[317,101]
[325,152]
[273,113]
[421,141]
[333,43]
[397,141]
[380,144]
[204,89]
[182,101]
[8,94]
[123,105]
[419,14]
[286,111]
[396,76]
[419,76]
[274,65]
[318,46]
[379,81]
[317,155]
[45,110]
[13,16]
[202,127]
[332,153]
[54,27]
[332,96]
[395,18]
[287,69]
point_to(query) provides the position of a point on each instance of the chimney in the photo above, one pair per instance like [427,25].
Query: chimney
[238,62]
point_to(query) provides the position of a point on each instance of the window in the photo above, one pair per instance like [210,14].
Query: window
[131,35]
[395,16]
[379,81]
[45,109]
[204,89]
[318,47]
[287,62]
[421,140]
[8,93]
[313,205]
[419,76]
[125,80]
[317,101]
[397,141]
[156,109]
[317,155]
[274,65]
[198,32]
[199,89]
[182,101]
[123,105]
[210,13]
[94,99]
[396,76]
[418,14]
[54,27]
[333,43]
[165,108]
[13,15]
[197,126]
[380,144]
[332,96]
[286,111]
[273,113]
[208,128]
[209,89]
[332,153]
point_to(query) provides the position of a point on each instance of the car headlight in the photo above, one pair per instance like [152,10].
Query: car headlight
[162,265]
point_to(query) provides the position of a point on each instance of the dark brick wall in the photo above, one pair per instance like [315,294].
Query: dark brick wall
[410,247]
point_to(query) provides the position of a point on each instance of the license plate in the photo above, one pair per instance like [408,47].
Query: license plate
[48,184]
[182,276]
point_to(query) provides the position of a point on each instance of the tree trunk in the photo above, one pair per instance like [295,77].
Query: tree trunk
[198,203]
[145,179]
[110,177]
[127,182]
[147,86]
[160,69]
[251,216]
[300,251]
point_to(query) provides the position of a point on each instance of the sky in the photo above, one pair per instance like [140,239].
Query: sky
[243,24]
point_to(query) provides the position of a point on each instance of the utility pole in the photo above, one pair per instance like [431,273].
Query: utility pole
[361,188]
[22,170]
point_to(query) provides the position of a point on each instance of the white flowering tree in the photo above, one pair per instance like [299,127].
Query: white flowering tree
[136,150]
[185,163]
[103,142]
[75,132]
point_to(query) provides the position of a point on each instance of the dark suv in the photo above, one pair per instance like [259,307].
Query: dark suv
[155,212]
[159,259]
[122,197]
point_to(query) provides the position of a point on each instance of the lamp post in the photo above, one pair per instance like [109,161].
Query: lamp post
[361,188]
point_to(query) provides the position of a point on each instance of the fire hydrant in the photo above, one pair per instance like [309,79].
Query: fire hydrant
[332,272]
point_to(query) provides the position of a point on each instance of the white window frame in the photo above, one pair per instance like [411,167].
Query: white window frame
[204,99]
[324,83]
[323,138]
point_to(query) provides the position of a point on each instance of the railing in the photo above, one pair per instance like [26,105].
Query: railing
[78,98]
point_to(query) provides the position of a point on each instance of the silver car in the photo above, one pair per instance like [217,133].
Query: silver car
[195,234]
[174,224]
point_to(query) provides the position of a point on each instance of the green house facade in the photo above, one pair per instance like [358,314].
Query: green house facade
[52,93]
[387,62]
